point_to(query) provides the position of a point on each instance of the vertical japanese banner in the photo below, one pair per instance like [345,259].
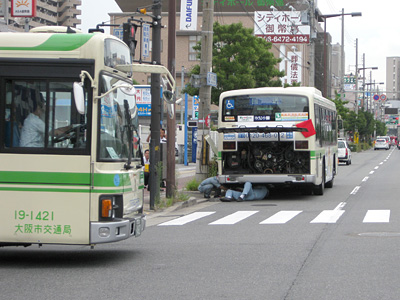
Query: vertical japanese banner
[23,8]
[294,69]
[188,15]
[3,8]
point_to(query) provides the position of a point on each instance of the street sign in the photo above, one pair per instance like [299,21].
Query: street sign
[118,32]
[350,79]
[195,112]
[191,124]
[383,97]
[212,79]
[146,40]
[376,97]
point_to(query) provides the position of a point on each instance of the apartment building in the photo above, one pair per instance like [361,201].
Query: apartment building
[48,13]
[393,77]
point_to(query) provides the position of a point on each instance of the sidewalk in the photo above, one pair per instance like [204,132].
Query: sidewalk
[183,175]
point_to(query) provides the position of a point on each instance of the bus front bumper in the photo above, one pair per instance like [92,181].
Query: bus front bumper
[108,232]
[267,179]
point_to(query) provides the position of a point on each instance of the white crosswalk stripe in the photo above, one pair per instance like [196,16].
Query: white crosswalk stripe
[328,216]
[377,216]
[234,218]
[281,217]
[187,219]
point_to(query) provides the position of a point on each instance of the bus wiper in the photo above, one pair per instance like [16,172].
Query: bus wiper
[128,166]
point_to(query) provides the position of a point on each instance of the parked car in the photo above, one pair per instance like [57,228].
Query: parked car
[344,152]
[398,144]
[381,143]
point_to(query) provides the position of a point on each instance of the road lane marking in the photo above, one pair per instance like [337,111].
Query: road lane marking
[355,190]
[187,219]
[377,216]
[281,217]
[328,216]
[234,218]
[372,172]
[340,206]
[365,178]
[377,167]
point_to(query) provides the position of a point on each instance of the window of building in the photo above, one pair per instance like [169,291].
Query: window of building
[193,39]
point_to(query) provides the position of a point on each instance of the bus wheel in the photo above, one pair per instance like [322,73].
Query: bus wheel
[329,184]
[319,189]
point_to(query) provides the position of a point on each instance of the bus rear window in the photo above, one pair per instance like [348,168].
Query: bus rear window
[261,108]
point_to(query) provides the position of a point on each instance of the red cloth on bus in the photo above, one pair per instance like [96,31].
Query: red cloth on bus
[307,125]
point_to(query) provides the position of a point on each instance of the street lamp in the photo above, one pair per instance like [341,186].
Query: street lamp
[359,69]
[322,18]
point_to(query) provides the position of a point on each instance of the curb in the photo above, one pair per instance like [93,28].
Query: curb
[192,201]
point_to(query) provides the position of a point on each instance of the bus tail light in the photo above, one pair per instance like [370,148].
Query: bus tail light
[229,145]
[106,208]
[301,145]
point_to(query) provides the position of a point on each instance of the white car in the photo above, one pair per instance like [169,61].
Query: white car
[344,152]
[381,144]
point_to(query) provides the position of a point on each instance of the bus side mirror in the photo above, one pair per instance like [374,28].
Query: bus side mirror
[79,97]
[169,97]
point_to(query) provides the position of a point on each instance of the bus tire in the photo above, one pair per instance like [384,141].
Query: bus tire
[329,184]
[319,189]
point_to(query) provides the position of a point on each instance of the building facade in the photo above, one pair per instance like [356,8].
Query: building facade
[393,77]
[311,55]
[48,13]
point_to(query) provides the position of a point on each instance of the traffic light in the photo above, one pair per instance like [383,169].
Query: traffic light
[128,36]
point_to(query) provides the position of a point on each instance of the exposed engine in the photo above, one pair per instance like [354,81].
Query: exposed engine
[266,158]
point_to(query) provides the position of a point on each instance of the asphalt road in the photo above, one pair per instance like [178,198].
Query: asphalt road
[342,245]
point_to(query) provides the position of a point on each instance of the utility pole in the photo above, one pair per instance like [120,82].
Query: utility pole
[171,128]
[205,90]
[343,64]
[356,108]
[364,81]
[155,107]
[312,46]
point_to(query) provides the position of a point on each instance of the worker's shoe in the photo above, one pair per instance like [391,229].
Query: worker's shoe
[206,196]
[240,199]
[226,199]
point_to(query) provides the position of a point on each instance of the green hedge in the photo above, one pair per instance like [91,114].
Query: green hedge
[359,147]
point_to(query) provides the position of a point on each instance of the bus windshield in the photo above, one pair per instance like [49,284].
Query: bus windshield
[253,108]
[114,130]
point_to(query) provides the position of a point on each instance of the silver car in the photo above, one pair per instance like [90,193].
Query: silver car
[344,152]
[381,144]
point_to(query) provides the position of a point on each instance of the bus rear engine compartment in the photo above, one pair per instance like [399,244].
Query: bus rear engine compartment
[266,158]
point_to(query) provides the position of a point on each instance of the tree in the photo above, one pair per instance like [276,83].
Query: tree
[240,61]
[363,122]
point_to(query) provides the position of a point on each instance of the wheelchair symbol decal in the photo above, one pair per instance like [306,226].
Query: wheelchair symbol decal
[230,104]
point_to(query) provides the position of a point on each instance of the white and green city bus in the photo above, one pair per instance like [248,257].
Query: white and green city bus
[70,161]
[266,137]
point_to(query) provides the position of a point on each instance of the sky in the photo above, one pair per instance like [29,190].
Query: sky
[377,30]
